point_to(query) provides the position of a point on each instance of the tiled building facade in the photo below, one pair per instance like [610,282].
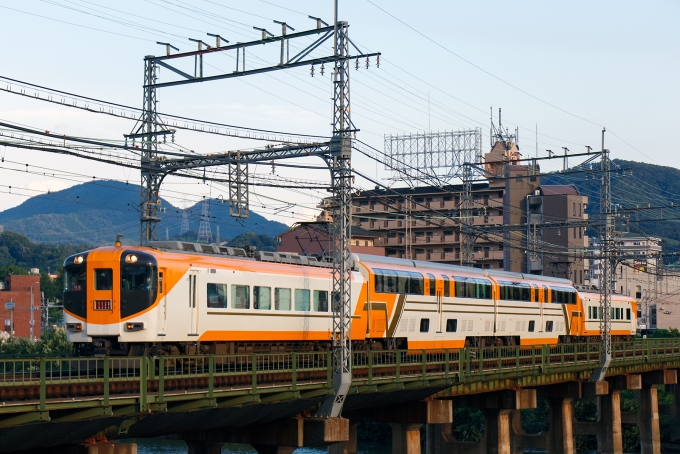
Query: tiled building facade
[18,290]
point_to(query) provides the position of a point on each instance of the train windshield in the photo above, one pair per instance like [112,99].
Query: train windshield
[74,279]
[138,278]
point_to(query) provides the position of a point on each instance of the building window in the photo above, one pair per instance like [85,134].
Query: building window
[574,210]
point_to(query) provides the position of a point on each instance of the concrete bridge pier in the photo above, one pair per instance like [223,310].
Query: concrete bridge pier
[500,427]
[349,446]
[675,411]
[203,447]
[282,436]
[407,418]
[648,417]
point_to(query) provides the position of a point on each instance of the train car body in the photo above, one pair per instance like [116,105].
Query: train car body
[188,298]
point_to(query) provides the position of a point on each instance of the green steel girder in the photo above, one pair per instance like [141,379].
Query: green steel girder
[80,415]
[247,399]
[462,372]
[24,418]
[198,404]
[280,397]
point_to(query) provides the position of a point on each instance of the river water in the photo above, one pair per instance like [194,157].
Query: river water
[160,446]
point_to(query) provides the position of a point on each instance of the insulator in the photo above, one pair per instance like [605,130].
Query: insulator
[377,61]
[311,71]
[367,62]
[322,68]
[356,64]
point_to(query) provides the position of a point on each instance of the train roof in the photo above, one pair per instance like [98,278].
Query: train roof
[375,259]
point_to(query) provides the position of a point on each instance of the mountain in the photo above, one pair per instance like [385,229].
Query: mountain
[93,213]
[634,184]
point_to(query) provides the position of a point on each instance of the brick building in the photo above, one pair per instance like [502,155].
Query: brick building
[18,290]
[314,238]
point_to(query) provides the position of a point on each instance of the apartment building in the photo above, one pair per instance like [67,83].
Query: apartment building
[423,223]
[557,252]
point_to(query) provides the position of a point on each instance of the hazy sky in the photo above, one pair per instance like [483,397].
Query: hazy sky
[569,67]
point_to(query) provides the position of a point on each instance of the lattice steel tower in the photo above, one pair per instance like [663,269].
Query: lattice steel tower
[204,230]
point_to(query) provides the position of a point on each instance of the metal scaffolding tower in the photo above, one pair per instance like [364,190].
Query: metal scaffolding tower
[441,155]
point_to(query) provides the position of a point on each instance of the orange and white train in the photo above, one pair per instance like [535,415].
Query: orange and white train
[176,297]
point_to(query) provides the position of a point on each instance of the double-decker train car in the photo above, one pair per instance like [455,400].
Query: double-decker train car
[175,297]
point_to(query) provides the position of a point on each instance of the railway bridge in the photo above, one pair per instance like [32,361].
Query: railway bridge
[268,400]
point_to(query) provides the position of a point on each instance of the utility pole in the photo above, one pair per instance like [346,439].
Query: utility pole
[607,264]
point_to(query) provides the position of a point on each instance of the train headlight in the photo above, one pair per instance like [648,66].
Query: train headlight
[78,260]
[132,258]
[138,326]
[74,327]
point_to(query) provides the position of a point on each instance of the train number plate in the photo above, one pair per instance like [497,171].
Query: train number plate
[102,305]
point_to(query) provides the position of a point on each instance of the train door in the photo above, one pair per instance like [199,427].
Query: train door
[100,310]
[543,301]
[440,303]
[576,321]
[193,302]
[162,304]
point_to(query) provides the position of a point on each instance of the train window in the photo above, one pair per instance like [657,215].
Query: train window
[627,313]
[515,291]
[452,325]
[393,281]
[447,286]
[103,279]
[282,299]
[160,281]
[563,295]
[424,325]
[301,299]
[548,326]
[262,298]
[532,326]
[320,301]
[433,284]
[595,313]
[75,279]
[138,278]
[468,287]
[240,296]
[618,313]
[217,296]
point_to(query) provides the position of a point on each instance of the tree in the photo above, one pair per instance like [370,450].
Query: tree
[13,270]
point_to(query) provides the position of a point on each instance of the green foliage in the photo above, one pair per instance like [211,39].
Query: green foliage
[26,254]
[537,420]
[261,242]
[661,333]
[13,270]
[53,289]
[468,424]
[374,432]
[52,343]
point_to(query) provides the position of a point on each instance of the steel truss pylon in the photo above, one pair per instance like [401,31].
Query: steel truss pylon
[467,241]
[607,266]
[147,129]
[340,163]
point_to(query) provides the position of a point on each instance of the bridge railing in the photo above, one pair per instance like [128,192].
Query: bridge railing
[47,380]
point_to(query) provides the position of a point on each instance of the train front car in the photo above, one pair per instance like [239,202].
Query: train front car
[110,292]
